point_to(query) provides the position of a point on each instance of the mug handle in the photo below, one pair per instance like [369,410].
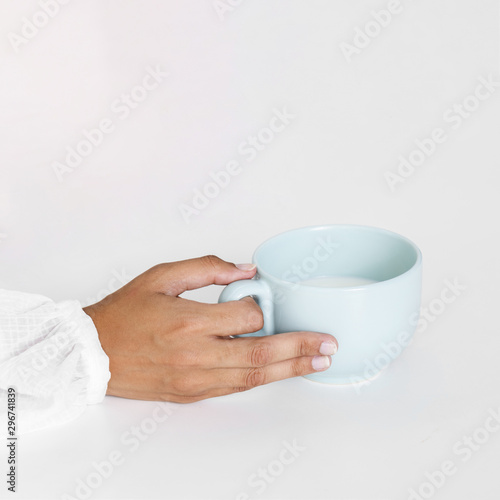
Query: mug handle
[263,295]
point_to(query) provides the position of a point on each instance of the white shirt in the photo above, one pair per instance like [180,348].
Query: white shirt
[51,354]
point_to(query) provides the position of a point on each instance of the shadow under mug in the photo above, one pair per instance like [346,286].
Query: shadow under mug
[373,321]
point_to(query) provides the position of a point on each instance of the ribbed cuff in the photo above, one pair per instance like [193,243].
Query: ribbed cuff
[95,360]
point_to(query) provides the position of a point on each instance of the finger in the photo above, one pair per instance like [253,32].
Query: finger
[239,379]
[233,318]
[215,320]
[221,381]
[177,277]
[254,352]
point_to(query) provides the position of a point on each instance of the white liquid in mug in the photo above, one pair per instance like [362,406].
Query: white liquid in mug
[337,281]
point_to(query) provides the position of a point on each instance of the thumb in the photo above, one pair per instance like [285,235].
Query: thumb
[177,277]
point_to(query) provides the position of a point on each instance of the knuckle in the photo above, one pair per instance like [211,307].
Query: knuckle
[186,386]
[186,358]
[155,273]
[260,354]
[254,377]
[255,319]
[179,385]
[158,268]
[211,261]
[240,389]
[192,323]
[297,368]
[305,347]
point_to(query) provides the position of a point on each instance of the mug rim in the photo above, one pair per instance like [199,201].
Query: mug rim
[416,264]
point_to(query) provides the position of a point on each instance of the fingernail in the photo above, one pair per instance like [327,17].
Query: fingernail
[320,363]
[328,348]
[246,267]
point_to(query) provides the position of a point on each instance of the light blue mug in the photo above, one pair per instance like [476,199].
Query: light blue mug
[361,284]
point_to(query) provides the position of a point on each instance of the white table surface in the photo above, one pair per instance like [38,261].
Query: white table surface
[118,212]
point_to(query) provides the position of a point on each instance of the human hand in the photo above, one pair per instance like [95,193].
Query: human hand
[167,348]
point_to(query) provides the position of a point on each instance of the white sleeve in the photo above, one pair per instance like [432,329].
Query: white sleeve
[51,354]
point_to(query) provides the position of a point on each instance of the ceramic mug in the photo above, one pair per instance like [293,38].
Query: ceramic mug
[361,284]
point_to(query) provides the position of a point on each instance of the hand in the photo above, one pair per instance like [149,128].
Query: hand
[164,347]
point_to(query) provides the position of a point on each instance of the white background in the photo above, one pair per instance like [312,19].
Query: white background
[118,213]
